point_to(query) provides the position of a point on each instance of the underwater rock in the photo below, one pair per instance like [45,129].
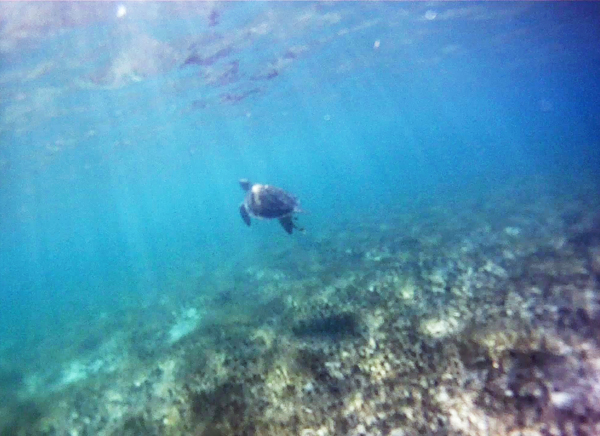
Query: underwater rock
[440,327]
[437,280]
[186,324]
[331,326]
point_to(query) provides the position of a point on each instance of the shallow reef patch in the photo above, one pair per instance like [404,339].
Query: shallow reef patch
[472,330]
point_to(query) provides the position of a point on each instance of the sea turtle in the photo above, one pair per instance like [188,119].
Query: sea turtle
[268,202]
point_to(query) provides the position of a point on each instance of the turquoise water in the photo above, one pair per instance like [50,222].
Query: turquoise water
[125,129]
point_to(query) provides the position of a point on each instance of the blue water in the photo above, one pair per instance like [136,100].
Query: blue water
[119,162]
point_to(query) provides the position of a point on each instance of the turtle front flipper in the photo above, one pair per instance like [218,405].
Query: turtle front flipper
[287,223]
[244,213]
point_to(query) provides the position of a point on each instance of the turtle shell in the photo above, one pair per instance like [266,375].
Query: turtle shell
[265,201]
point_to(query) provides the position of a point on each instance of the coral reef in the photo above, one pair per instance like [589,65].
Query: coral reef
[466,324]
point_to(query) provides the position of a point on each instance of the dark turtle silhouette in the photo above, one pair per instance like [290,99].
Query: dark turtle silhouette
[269,202]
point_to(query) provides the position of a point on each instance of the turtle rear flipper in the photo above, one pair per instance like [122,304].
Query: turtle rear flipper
[297,227]
[287,223]
[244,213]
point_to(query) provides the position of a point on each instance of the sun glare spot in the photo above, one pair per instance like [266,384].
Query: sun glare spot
[121,11]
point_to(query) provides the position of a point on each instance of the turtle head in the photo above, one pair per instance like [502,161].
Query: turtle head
[245,184]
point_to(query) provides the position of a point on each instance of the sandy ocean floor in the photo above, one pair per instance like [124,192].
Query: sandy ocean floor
[476,316]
